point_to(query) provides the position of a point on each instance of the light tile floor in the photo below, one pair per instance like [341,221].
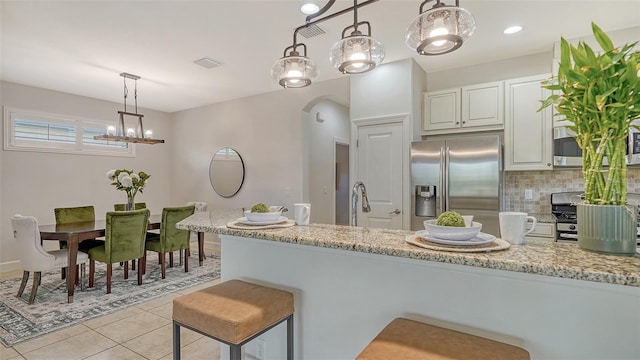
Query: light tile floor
[136,333]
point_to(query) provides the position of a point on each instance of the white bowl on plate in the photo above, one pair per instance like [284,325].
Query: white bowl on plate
[262,217]
[452,232]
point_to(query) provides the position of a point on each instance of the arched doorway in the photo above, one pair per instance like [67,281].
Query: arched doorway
[326,135]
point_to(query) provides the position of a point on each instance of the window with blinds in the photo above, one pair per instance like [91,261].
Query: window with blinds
[30,131]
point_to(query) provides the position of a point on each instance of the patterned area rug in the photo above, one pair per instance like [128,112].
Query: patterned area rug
[20,321]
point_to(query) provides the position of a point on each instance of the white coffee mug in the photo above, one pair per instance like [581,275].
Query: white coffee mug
[513,226]
[301,213]
[468,220]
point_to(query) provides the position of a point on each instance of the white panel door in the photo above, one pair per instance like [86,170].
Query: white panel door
[379,155]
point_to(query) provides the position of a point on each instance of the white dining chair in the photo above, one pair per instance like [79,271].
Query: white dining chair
[34,258]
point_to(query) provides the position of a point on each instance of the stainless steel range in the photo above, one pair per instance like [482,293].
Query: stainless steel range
[563,209]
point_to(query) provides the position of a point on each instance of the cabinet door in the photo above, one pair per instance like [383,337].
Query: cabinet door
[558,120]
[528,132]
[483,105]
[441,110]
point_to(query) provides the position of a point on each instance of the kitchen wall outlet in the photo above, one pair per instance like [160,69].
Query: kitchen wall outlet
[528,194]
[260,349]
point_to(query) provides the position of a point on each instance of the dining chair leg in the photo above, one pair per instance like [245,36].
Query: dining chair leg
[23,284]
[133,265]
[186,260]
[92,270]
[109,268]
[143,267]
[159,258]
[171,259]
[162,266]
[77,282]
[82,276]
[63,273]
[139,272]
[126,269]
[34,289]
[180,257]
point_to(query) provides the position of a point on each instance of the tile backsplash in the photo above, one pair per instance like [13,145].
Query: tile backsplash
[543,183]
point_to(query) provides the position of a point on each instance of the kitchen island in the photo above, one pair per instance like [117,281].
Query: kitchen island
[554,300]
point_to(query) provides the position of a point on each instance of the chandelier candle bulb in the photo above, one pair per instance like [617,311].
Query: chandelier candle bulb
[148,134]
[131,132]
[111,130]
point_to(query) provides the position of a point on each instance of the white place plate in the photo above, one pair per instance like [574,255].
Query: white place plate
[245,221]
[481,239]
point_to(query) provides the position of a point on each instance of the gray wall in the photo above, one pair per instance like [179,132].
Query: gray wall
[494,71]
[267,132]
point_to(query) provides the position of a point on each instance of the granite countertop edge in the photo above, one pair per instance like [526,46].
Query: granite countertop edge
[541,258]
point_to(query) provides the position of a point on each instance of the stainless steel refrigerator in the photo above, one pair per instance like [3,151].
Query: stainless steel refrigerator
[461,173]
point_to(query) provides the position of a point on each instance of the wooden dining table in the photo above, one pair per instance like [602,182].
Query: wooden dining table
[74,234]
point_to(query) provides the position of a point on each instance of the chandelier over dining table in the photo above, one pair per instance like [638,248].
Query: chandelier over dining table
[135,134]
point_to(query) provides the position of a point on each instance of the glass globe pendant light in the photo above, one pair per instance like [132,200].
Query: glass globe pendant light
[294,70]
[440,30]
[356,53]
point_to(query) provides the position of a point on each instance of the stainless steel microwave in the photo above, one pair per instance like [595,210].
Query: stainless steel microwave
[567,153]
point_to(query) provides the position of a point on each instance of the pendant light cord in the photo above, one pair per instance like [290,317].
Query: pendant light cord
[126,92]
[135,93]
[355,16]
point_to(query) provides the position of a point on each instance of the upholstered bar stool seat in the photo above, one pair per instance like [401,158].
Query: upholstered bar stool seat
[408,339]
[233,312]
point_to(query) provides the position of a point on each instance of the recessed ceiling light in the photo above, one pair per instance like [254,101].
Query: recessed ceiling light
[309,8]
[512,29]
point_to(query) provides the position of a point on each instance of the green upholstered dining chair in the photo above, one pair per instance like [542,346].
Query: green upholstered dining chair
[171,238]
[136,206]
[125,235]
[73,215]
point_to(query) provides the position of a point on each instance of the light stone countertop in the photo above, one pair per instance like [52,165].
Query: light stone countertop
[542,258]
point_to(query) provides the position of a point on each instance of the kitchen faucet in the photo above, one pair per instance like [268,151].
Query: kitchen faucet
[354,200]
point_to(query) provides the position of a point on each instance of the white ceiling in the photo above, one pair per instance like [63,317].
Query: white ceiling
[81,47]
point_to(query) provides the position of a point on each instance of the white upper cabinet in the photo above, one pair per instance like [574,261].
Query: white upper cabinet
[528,133]
[442,110]
[470,108]
[483,105]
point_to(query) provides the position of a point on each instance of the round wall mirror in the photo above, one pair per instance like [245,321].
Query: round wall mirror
[226,172]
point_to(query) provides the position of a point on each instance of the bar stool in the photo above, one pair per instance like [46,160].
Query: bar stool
[233,312]
[408,339]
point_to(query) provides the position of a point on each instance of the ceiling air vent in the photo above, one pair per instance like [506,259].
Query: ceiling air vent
[311,31]
[208,63]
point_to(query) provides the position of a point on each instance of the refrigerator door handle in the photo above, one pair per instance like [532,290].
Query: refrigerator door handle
[441,181]
[446,179]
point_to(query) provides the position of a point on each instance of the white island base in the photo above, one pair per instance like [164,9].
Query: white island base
[344,298]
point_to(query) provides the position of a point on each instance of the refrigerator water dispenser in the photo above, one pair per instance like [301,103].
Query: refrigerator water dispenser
[425,200]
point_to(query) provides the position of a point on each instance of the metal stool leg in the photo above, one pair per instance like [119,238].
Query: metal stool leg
[176,338]
[235,352]
[290,337]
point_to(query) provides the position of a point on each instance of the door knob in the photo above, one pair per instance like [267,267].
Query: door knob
[395,212]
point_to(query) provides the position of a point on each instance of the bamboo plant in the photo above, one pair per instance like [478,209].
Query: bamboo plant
[600,95]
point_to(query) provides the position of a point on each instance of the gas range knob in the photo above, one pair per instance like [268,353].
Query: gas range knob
[572,227]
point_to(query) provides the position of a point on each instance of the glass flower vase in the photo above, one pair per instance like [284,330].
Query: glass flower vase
[130,205]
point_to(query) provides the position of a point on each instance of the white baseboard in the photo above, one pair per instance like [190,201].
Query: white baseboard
[10,266]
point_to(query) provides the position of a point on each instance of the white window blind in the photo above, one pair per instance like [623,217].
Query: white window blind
[32,131]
